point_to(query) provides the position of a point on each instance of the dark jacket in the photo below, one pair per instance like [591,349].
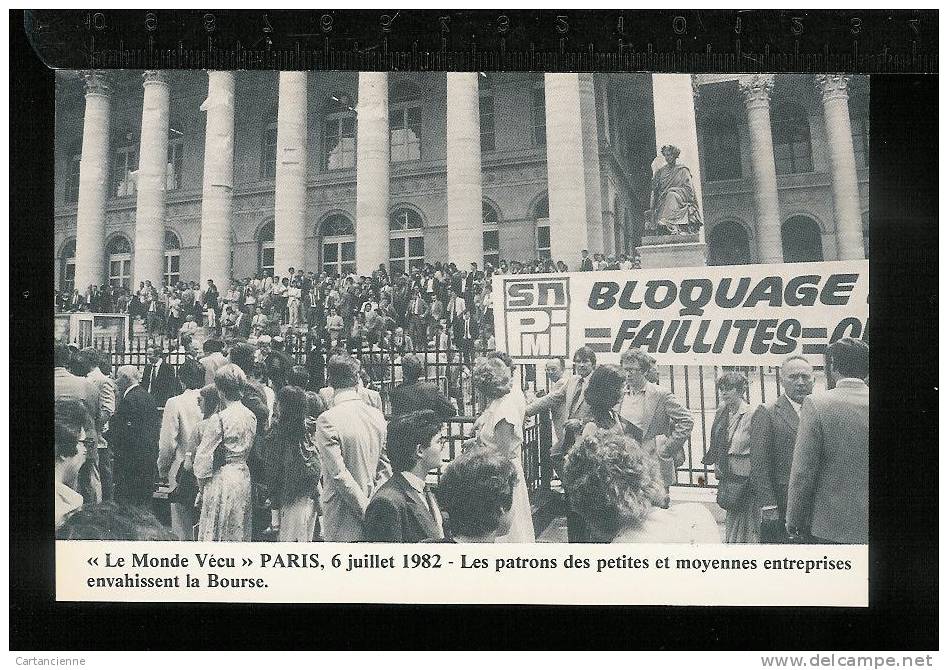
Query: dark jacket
[133,438]
[773,434]
[397,513]
[165,384]
[410,397]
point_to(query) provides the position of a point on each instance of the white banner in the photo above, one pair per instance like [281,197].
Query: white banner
[725,315]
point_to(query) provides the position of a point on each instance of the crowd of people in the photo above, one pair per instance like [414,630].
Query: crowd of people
[424,307]
[248,446]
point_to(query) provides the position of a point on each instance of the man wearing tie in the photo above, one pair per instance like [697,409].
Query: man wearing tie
[417,318]
[403,509]
[570,395]
[159,378]
[465,331]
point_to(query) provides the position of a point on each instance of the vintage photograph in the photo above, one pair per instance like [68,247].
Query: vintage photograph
[508,307]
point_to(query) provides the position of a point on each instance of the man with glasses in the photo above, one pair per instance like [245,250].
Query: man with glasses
[70,386]
[663,423]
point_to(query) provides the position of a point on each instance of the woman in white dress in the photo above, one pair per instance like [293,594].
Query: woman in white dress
[500,429]
[220,463]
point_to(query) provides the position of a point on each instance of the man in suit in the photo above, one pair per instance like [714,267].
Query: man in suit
[96,361]
[464,331]
[663,423]
[557,378]
[159,378]
[567,401]
[350,437]
[418,318]
[68,385]
[773,434]
[828,493]
[133,438]
[586,265]
[404,509]
[415,394]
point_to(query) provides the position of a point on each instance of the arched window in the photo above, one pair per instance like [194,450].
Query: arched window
[538,109]
[491,235]
[405,122]
[793,152]
[860,133]
[406,241]
[175,157]
[268,147]
[488,139]
[119,252]
[72,179]
[67,269]
[801,240]
[338,245]
[124,171]
[339,133]
[728,245]
[722,147]
[541,215]
[265,249]
[172,259]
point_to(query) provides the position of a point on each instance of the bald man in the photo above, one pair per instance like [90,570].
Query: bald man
[773,435]
[133,438]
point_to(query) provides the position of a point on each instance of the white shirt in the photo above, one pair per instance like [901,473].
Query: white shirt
[130,388]
[794,404]
[66,501]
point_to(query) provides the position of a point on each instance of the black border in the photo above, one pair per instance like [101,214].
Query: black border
[903,514]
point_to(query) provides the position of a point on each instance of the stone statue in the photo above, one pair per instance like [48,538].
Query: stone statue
[674,207]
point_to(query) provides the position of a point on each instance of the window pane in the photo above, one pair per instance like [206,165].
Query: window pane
[491,240]
[396,248]
[543,237]
[348,268]
[330,253]
[416,246]
[492,260]
[348,251]
[176,263]
[414,118]
[397,266]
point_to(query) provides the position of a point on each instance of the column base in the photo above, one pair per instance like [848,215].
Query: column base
[672,251]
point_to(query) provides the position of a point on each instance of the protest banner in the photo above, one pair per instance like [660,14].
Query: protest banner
[725,315]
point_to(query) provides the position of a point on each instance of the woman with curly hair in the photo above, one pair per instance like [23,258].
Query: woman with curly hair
[615,484]
[476,493]
[499,428]
[220,462]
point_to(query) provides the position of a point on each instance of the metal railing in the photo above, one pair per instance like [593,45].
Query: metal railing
[694,386]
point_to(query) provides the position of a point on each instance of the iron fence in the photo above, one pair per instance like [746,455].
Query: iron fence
[694,386]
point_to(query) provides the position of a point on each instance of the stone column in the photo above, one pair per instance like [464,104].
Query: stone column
[373,158]
[756,90]
[152,181]
[572,165]
[835,90]
[290,184]
[218,193]
[465,234]
[93,182]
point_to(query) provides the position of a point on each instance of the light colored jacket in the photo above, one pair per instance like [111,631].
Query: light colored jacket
[350,437]
[563,397]
[665,422]
[829,479]
[370,396]
[181,415]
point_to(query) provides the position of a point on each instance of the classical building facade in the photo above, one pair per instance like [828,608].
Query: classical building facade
[183,175]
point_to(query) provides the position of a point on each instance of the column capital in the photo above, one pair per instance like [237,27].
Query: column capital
[97,83]
[154,77]
[833,86]
[756,89]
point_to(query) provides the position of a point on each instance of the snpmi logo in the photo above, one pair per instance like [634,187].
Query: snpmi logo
[537,317]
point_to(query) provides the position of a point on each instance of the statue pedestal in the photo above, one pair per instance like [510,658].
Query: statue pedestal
[672,251]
